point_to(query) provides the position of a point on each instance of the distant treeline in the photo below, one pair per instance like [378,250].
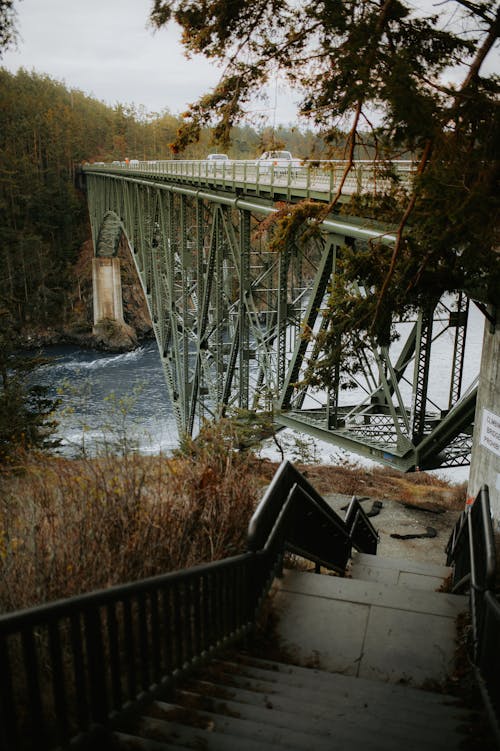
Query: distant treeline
[46,131]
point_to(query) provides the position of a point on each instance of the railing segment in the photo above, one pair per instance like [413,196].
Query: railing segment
[361,531]
[71,670]
[309,179]
[471,551]
[310,526]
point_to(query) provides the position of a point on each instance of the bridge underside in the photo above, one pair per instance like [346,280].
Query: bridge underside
[229,316]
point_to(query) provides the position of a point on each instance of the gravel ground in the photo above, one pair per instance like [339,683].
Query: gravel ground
[396,518]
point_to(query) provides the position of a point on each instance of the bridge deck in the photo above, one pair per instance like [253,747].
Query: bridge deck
[318,180]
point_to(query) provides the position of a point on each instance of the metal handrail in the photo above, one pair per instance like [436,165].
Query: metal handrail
[72,669]
[290,485]
[314,533]
[363,535]
[266,513]
[306,178]
[471,551]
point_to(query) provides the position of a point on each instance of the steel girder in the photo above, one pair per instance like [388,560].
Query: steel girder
[230,318]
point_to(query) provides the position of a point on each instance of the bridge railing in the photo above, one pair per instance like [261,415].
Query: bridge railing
[308,176]
[70,670]
[471,550]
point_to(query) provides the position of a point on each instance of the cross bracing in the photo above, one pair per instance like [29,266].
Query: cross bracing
[231,316]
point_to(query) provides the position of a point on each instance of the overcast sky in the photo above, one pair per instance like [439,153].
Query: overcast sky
[106,49]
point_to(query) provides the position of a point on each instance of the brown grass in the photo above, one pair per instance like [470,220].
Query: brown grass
[419,488]
[71,526]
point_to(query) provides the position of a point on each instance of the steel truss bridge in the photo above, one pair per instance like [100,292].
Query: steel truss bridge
[229,315]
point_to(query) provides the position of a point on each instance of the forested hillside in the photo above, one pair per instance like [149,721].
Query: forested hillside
[46,131]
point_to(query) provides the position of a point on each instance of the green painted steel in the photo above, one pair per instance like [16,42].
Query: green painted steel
[232,318]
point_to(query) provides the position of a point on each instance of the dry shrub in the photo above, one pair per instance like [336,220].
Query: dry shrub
[71,526]
[420,488]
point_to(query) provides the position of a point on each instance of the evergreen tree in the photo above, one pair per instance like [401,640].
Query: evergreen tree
[397,80]
[7,25]
[26,411]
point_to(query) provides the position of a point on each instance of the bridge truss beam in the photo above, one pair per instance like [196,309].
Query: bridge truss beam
[230,318]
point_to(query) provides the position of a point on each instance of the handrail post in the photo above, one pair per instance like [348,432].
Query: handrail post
[96,665]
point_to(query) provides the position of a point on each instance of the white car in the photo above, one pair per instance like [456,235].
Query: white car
[218,162]
[217,158]
[280,162]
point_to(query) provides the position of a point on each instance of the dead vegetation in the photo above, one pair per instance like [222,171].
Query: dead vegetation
[419,488]
[71,526]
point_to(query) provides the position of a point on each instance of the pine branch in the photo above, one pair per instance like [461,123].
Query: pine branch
[483,51]
[475,9]
[399,234]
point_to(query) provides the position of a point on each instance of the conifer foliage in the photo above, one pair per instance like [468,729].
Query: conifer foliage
[399,77]
[8,31]
[26,410]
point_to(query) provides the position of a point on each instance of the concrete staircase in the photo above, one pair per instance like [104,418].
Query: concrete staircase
[373,642]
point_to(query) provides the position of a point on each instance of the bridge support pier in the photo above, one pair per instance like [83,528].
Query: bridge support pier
[109,325]
[107,288]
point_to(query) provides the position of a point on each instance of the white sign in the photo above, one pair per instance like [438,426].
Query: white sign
[490,432]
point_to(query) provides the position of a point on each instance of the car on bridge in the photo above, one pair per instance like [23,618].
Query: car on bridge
[279,162]
[217,162]
[218,158]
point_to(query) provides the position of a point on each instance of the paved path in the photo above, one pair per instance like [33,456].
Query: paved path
[370,627]
[395,518]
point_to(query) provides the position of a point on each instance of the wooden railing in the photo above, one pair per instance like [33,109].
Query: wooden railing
[71,670]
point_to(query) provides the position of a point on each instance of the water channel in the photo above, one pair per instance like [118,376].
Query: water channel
[111,399]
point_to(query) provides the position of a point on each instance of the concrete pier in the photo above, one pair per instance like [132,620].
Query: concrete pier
[107,289]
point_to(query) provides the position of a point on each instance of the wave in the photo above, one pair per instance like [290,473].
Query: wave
[122,359]
[73,442]
[77,364]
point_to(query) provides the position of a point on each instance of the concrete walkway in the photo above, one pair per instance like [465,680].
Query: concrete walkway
[388,625]
[354,643]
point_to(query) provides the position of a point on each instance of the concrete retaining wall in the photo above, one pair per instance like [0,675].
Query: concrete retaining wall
[485,460]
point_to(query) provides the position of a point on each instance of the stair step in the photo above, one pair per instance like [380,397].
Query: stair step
[321,682]
[373,593]
[367,629]
[298,701]
[346,699]
[351,722]
[248,734]
[227,734]
[398,571]
[421,567]
[254,704]
[129,742]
